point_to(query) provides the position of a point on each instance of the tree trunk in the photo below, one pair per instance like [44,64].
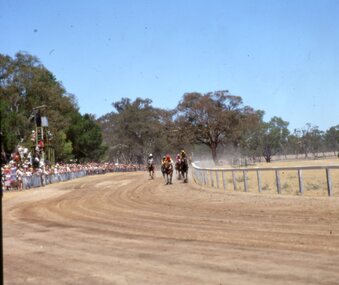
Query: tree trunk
[267,154]
[214,153]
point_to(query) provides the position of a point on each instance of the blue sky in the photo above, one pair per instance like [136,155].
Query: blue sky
[280,56]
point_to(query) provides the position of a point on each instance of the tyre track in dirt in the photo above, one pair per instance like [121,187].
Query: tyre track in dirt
[124,228]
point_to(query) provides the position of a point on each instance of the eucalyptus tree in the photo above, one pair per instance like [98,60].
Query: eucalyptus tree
[134,130]
[332,139]
[86,136]
[252,142]
[309,139]
[214,119]
[25,84]
[275,137]
[316,140]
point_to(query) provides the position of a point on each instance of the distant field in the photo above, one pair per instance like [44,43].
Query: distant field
[314,181]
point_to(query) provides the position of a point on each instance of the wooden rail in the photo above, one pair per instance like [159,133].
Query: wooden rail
[203,175]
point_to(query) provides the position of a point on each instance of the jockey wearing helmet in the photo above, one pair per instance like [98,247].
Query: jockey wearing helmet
[168,158]
[150,159]
[182,154]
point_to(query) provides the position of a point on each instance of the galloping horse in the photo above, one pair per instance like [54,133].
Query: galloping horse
[168,167]
[151,168]
[183,169]
[177,168]
[163,169]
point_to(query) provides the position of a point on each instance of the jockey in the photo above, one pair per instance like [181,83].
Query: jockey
[150,159]
[182,154]
[163,160]
[150,165]
[178,157]
[169,159]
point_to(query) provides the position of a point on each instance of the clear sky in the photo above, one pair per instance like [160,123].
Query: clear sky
[280,56]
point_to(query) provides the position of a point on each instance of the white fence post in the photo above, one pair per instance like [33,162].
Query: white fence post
[209,180]
[223,180]
[259,181]
[277,178]
[329,182]
[245,181]
[300,180]
[234,181]
[217,177]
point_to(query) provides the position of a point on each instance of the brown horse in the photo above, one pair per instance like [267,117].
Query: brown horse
[177,168]
[151,169]
[163,170]
[168,167]
[183,169]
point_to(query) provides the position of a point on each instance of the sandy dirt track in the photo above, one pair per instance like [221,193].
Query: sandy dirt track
[124,228]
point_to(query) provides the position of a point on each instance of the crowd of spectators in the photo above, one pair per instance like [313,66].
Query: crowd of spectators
[20,173]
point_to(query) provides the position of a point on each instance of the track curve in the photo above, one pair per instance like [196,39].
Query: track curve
[124,228]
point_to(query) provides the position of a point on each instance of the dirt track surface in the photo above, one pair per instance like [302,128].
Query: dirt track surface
[124,228]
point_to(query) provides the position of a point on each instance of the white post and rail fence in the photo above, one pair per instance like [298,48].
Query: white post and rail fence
[216,177]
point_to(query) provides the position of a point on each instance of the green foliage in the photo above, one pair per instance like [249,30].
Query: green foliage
[214,118]
[309,139]
[332,138]
[274,138]
[86,137]
[213,121]
[251,142]
[63,147]
[26,84]
[136,130]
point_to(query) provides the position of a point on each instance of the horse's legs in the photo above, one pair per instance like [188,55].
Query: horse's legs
[185,176]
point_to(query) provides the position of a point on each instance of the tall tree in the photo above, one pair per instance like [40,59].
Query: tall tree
[332,139]
[213,118]
[86,136]
[25,84]
[253,138]
[309,138]
[134,130]
[274,137]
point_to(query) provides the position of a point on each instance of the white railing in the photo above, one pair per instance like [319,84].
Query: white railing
[214,177]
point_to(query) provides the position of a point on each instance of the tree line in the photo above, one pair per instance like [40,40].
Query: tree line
[215,121]
[25,84]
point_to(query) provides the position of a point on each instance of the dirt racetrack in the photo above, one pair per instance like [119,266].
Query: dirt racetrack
[124,228]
